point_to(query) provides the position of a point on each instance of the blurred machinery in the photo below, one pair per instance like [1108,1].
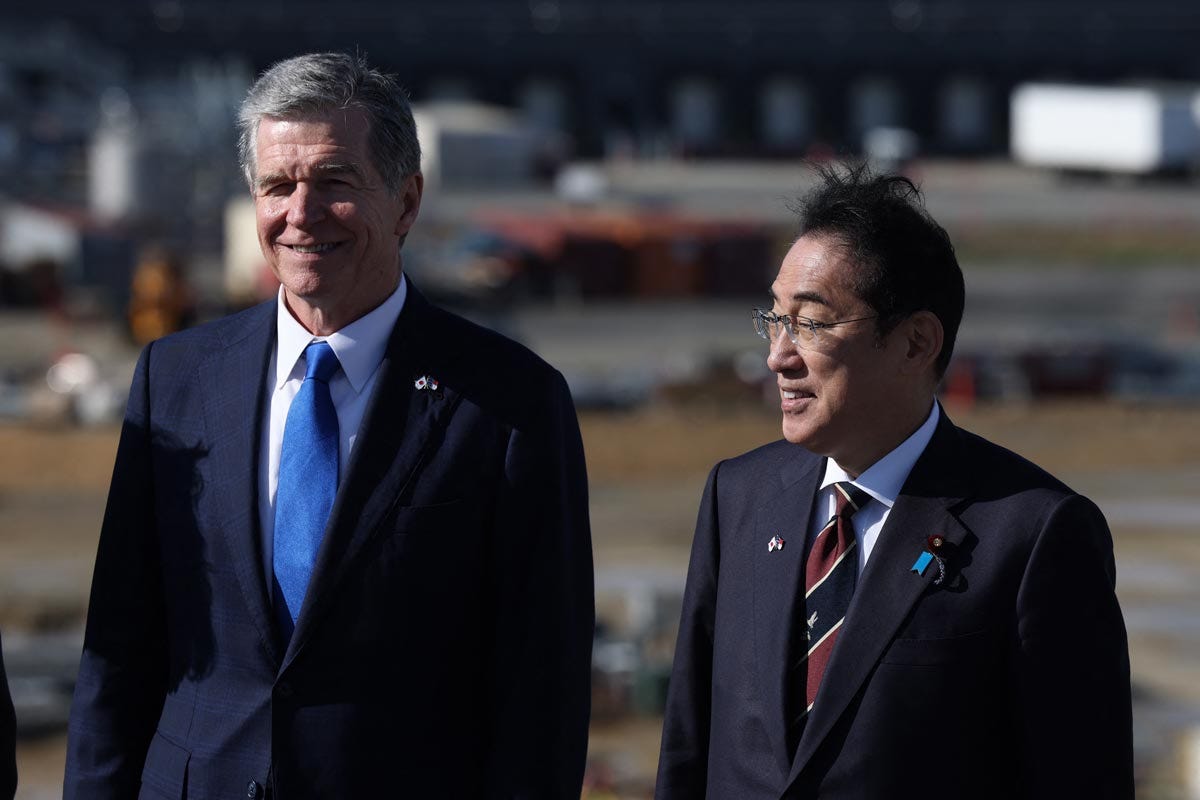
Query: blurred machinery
[607,254]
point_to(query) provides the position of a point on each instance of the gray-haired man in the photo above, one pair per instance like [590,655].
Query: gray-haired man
[346,549]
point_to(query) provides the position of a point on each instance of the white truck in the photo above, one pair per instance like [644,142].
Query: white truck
[1118,130]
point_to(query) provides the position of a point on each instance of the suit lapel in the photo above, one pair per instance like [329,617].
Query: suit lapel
[888,588]
[397,432]
[233,420]
[778,582]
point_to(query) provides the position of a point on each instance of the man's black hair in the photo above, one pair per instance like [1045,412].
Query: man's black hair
[903,261]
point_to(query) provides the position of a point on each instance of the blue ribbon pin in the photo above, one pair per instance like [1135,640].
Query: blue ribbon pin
[922,563]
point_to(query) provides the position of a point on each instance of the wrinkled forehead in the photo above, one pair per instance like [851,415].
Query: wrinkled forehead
[293,146]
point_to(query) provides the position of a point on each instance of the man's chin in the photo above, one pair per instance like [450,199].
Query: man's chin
[800,431]
[794,432]
[309,294]
[312,285]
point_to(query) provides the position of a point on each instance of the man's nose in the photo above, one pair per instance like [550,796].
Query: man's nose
[304,206]
[784,354]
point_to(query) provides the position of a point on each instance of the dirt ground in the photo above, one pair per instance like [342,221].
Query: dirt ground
[1141,464]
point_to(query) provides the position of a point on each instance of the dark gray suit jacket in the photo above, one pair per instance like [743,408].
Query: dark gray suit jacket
[8,737]
[1010,679]
[443,648]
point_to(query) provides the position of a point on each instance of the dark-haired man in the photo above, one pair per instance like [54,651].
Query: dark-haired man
[346,548]
[883,605]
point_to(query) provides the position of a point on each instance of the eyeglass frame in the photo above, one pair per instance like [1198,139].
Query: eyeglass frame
[794,323]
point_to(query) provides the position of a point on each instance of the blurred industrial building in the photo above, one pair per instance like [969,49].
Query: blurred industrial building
[694,76]
[119,118]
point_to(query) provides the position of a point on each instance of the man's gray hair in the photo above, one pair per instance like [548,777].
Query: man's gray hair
[319,83]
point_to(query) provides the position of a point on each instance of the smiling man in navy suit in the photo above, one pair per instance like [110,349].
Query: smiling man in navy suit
[346,549]
[882,605]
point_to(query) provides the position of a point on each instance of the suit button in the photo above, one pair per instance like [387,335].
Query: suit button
[253,790]
[285,690]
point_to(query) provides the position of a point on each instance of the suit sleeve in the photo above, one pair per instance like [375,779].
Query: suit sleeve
[8,737]
[683,757]
[1072,686]
[123,671]
[545,612]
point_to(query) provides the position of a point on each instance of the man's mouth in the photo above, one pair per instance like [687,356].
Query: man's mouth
[795,395]
[312,248]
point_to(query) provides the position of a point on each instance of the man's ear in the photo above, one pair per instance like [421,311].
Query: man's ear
[923,339]
[410,200]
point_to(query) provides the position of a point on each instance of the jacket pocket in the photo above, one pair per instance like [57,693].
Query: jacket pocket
[929,652]
[165,772]
[424,523]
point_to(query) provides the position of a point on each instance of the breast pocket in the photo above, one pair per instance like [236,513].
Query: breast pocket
[931,652]
[428,576]
[435,543]
[436,525]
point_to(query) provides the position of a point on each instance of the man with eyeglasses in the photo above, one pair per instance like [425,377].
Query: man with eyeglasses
[884,605]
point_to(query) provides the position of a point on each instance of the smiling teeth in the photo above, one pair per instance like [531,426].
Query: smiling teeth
[315,248]
[791,395]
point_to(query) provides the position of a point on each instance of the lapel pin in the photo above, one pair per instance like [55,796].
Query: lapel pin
[776,543]
[427,382]
[936,543]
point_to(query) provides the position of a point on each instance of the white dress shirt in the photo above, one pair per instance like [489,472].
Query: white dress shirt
[882,481]
[359,348]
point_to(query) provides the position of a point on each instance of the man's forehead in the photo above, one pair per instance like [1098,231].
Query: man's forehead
[347,125]
[814,270]
[815,250]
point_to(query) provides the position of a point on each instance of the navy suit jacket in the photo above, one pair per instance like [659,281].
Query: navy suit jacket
[443,647]
[1010,679]
[8,737]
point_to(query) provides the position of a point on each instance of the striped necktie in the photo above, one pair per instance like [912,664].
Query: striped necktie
[829,577]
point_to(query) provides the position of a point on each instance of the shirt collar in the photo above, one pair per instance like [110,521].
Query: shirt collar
[359,346]
[884,479]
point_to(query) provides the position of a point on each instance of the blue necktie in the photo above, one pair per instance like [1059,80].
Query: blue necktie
[308,479]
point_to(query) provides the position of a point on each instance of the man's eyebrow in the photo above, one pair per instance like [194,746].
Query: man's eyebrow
[332,168]
[338,168]
[269,179]
[805,297]
[812,297]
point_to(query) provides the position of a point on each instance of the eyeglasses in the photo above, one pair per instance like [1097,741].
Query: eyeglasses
[803,332]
